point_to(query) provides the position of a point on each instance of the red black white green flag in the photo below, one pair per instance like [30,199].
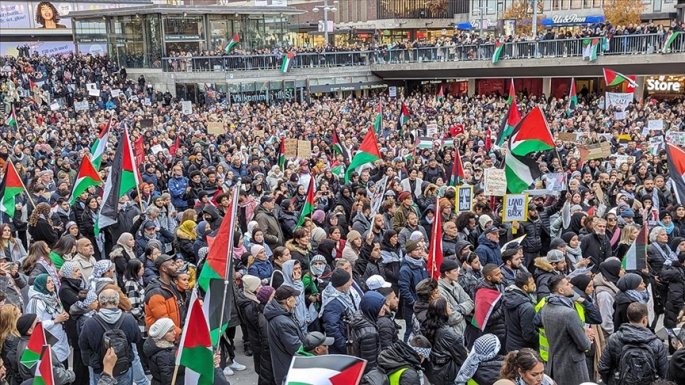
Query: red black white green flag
[404,118]
[281,155]
[231,44]
[511,119]
[32,354]
[485,301]
[308,207]
[435,255]
[613,78]
[457,170]
[86,177]
[44,374]
[512,93]
[676,167]
[636,256]
[10,187]
[332,369]
[368,153]
[572,98]
[195,349]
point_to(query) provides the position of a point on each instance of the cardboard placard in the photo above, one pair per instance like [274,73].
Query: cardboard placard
[290,148]
[145,123]
[595,151]
[675,137]
[431,129]
[54,106]
[567,136]
[187,107]
[304,149]
[495,182]
[81,106]
[515,207]
[215,128]
[258,134]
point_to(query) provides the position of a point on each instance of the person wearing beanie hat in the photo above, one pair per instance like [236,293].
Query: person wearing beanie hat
[318,217]
[26,324]
[161,351]
[336,307]
[261,267]
[316,280]
[484,221]
[456,297]
[364,324]
[265,294]
[666,221]
[412,271]
[399,220]
[546,268]
[353,247]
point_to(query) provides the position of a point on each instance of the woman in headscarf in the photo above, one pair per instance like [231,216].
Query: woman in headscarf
[632,289]
[72,229]
[45,304]
[573,252]
[292,276]
[248,234]
[335,234]
[185,238]
[483,364]
[352,249]
[79,312]
[26,324]
[448,352]
[103,277]
[326,249]
[391,258]
[121,253]
[610,271]
[577,222]
[257,238]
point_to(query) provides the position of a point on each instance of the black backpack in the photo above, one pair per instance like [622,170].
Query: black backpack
[116,338]
[636,365]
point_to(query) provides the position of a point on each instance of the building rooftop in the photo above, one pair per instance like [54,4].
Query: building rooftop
[187,10]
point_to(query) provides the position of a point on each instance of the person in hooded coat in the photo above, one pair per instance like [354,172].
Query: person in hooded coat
[121,253]
[366,342]
[610,271]
[391,258]
[71,292]
[674,277]
[161,352]
[632,289]
[45,304]
[247,303]
[285,333]
[406,357]
[185,238]
[292,276]
[483,363]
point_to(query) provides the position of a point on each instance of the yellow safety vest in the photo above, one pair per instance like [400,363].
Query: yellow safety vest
[544,344]
[394,378]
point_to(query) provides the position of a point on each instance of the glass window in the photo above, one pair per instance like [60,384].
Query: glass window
[657,5]
[576,4]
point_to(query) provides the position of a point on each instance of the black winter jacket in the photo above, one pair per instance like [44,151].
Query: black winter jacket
[387,329]
[43,231]
[488,371]
[161,361]
[532,243]
[519,311]
[285,338]
[496,324]
[621,303]
[366,343]
[674,277]
[266,373]
[249,316]
[90,340]
[628,333]
[9,357]
[598,250]
[398,356]
[447,356]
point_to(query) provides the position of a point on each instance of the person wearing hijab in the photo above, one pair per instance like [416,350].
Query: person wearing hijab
[364,325]
[483,364]
[121,253]
[573,252]
[610,271]
[577,222]
[185,238]
[584,288]
[26,324]
[316,280]
[248,304]
[257,238]
[292,276]
[45,304]
[632,289]
[103,278]
[674,277]
[327,249]
[391,258]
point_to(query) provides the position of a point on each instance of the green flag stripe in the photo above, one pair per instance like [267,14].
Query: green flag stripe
[206,275]
[525,147]
[29,358]
[200,360]
[360,159]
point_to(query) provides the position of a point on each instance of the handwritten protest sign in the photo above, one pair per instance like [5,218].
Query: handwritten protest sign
[495,182]
[187,107]
[81,106]
[215,128]
[556,182]
[304,149]
[655,125]
[567,136]
[290,148]
[258,134]
[618,99]
[515,207]
[93,89]
[675,137]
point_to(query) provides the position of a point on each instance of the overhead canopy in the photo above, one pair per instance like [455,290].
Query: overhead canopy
[165,9]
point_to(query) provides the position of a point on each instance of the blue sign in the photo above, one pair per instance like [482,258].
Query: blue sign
[572,19]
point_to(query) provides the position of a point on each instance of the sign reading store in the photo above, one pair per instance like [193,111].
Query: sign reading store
[665,84]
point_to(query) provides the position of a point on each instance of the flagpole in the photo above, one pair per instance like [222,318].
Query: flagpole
[229,256]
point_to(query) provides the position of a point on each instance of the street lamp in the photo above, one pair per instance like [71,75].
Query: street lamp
[482,11]
[326,9]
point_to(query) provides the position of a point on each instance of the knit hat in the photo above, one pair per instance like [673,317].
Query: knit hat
[371,304]
[444,203]
[581,281]
[411,246]
[483,221]
[664,214]
[628,213]
[68,226]
[67,269]
[339,278]
[25,322]
[318,234]
[404,195]
[318,216]
[448,265]
[256,249]
[264,293]
[556,243]
[160,328]
[250,286]
[317,257]
[629,281]
[353,235]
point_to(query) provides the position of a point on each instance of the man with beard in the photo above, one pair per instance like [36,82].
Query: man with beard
[512,263]
[487,288]
[519,312]
[377,228]
[162,299]
[650,190]
[387,328]
[532,228]
[596,246]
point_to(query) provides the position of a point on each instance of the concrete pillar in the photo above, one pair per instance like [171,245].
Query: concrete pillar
[547,86]
[639,92]
[472,87]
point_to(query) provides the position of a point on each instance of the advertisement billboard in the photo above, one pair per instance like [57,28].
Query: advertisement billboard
[46,14]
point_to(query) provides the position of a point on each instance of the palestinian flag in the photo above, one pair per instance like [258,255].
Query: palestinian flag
[572,98]
[231,44]
[32,354]
[531,134]
[521,172]
[368,153]
[281,156]
[424,143]
[308,207]
[435,255]
[123,176]
[590,48]
[340,148]
[86,177]
[511,119]
[636,256]
[512,93]
[177,144]
[332,369]
[11,120]
[100,145]
[378,122]
[676,167]
[338,169]
[10,187]
[216,306]
[404,118]
[195,349]
[457,169]
[485,301]
[670,41]
[43,374]
[499,47]
[613,78]
[440,95]
[287,61]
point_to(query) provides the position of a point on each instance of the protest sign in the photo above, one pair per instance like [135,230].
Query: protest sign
[618,99]
[675,138]
[258,134]
[620,115]
[431,129]
[54,106]
[594,151]
[81,106]
[157,148]
[515,207]
[146,123]
[187,107]
[495,182]
[620,159]
[304,149]
[147,102]
[655,124]
[556,182]
[290,148]
[115,92]
[93,89]
[215,128]
[378,195]
[392,91]
[464,198]
[567,136]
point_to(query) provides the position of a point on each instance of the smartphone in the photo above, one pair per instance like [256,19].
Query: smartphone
[107,344]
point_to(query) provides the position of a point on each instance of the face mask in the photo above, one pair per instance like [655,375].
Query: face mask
[318,270]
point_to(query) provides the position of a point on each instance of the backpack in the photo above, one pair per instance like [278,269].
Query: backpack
[116,338]
[377,377]
[637,366]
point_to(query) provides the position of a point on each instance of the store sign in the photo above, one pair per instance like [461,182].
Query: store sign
[261,97]
[656,85]
[568,19]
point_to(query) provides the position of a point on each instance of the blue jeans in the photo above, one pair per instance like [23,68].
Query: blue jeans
[124,379]
[139,376]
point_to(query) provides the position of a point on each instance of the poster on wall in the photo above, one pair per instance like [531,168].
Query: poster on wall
[41,47]
[15,15]
[54,14]
[93,49]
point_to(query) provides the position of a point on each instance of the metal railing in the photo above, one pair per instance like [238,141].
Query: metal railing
[567,48]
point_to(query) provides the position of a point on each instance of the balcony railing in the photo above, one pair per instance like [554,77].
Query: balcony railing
[567,48]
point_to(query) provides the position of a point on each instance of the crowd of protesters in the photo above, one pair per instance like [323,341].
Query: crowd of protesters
[353,274]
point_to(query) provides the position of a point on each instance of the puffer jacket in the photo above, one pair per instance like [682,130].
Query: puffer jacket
[488,371]
[399,356]
[161,302]
[519,311]
[447,356]
[299,253]
[266,373]
[412,272]
[489,251]
[532,243]
[249,315]
[9,357]
[449,246]
[184,246]
[544,271]
[161,357]
[285,338]
[387,329]
[496,324]
[630,334]
[366,344]
[674,277]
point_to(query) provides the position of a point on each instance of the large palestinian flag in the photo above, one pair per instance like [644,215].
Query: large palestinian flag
[676,167]
[613,78]
[44,374]
[9,189]
[100,145]
[287,61]
[368,153]
[485,299]
[531,134]
[378,122]
[11,120]
[195,349]
[86,177]
[499,47]
[512,93]
[32,354]
[435,255]
[332,369]
[636,256]
[339,147]
[216,305]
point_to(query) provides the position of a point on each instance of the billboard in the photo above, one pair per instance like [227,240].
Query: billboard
[11,48]
[47,14]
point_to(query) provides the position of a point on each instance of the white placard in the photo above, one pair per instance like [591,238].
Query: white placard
[431,129]
[655,124]
[392,91]
[54,106]
[116,92]
[495,182]
[157,148]
[619,99]
[620,159]
[93,89]
[515,207]
[187,107]
[147,102]
[81,106]
[619,115]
